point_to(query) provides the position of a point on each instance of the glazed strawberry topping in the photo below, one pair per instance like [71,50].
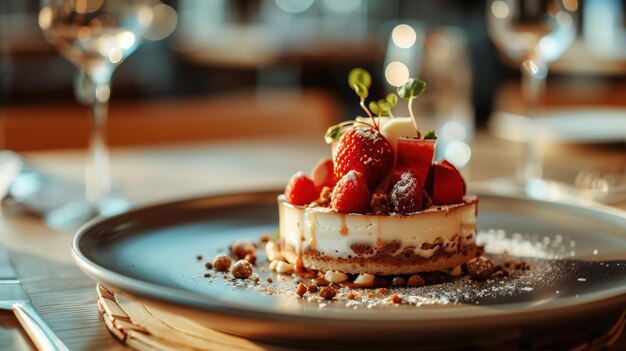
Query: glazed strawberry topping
[445,185]
[351,194]
[301,190]
[365,150]
[414,155]
[407,195]
[323,173]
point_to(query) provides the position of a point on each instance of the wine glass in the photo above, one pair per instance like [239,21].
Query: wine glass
[96,36]
[532,33]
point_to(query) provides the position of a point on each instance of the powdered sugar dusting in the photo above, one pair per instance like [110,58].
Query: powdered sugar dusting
[545,273]
[524,245]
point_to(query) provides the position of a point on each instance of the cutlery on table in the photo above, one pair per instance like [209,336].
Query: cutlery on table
[14,297]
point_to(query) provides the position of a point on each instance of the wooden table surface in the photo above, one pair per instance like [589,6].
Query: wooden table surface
[65,297]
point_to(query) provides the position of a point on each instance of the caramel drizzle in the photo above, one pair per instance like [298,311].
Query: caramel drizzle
[343,230]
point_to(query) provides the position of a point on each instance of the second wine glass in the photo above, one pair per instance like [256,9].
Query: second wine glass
[96,36]
[532,33]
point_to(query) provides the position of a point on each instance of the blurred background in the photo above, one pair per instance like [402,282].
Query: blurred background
[218,69]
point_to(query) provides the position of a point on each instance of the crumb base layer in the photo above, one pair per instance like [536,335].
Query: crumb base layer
[383,262]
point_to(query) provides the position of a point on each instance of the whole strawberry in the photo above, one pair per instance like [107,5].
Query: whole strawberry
[351,194]
[365,150]
[407,195]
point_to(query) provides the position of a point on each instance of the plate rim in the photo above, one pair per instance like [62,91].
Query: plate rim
[193,300]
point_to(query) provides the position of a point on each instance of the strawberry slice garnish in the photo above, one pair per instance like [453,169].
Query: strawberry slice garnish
[323,173]
[365,150]
[413,155]
[407,195]
[351,194]
[301,190]
[445,185]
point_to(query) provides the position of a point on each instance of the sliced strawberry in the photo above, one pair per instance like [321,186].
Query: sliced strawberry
[301,190]
[323,173]
[415,155]
[445,185]
[351,194]
[365,150]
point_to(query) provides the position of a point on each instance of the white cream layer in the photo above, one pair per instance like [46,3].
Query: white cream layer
[333,233]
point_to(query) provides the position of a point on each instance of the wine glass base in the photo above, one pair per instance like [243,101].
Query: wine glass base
[61,203]
[545,189]
[76,213]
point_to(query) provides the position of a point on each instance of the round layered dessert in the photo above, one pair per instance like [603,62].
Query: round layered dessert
[380,205]
[436,238]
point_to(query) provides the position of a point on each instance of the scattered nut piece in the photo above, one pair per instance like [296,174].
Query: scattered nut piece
[324,199]
[455,272]
[270,280]
[313,288]
[328,292]
[398,281]
[365,279]
[380,203]
[208,265]
[221,262]
[382,291]
[274,264]
[241,248]
[284,267]
[335,277]
[415,280]
[320,281]
[301,289]
[250,258]
[395,298]
[199,257]
[272,250]
[242,269]
[207,275]
[480,268]
[352,296]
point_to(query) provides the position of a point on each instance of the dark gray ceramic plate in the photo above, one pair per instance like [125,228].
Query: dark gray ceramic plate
[150,254]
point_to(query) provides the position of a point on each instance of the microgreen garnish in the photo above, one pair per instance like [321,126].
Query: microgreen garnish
[410,90]
[430,135]
[392,100]
[333,133]
[360,81]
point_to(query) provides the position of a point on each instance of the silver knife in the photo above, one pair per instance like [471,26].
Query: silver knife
[14,297]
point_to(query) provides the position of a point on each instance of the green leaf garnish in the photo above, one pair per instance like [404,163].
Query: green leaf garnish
[361,90]
[384,106]
[430,135]
[359,75]
[373,106]
[412,88]
[332,134]
[392,99]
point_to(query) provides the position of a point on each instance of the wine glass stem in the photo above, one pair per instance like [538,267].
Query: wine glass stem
[93,89]
[98,184]
[534,74]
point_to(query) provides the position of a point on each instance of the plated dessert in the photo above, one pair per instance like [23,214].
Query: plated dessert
[379,205]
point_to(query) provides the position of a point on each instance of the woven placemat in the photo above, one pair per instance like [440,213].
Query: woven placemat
[147,328]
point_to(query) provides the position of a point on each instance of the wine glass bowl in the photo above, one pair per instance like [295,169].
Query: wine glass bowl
[531,29]
[532,34]
[95,35]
